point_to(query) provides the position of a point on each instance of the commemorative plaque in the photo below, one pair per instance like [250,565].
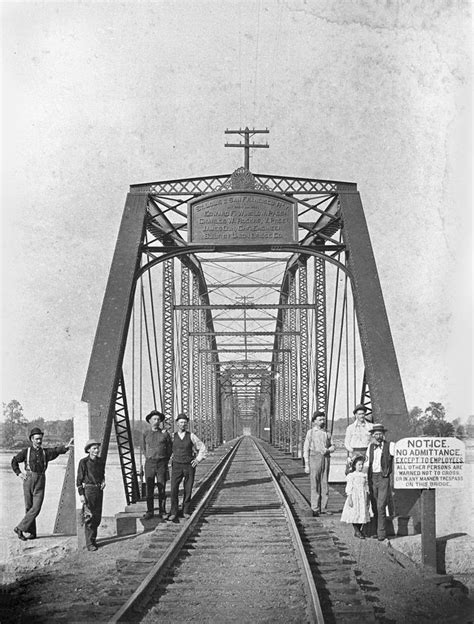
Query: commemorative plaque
[242,218]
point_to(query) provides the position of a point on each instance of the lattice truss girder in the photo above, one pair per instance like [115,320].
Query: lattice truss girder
[125,445]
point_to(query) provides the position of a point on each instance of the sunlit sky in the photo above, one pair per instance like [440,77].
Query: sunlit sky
[100,96]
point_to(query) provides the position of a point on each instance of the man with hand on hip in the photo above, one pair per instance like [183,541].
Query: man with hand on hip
[188,452]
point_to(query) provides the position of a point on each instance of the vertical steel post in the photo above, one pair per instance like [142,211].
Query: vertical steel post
[196,356]
[185,363]
[320,332]
[168,339]
[304,367]
[428,529]
[294,373]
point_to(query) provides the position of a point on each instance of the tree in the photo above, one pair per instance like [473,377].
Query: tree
[414,416]
[432,421]
[15,421]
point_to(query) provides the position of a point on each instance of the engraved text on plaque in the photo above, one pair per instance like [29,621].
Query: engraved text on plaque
[242,217]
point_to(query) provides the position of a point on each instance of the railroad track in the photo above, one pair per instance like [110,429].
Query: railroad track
[239,558]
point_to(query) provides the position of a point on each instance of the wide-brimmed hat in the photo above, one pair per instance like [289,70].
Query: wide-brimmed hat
[182,417]
[155,413]
[360,407]
[90,443]
[36,431]
[378,427]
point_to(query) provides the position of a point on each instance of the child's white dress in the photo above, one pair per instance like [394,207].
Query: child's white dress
[358,487]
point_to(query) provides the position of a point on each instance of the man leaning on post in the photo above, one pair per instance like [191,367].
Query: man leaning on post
[188,451]
[36,459]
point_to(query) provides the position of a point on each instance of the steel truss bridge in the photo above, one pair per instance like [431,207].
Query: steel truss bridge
[244,337]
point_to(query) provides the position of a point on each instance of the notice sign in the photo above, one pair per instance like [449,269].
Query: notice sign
[422,463]
[242,218]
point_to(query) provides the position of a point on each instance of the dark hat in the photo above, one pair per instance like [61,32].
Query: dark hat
[360,407]
[355,459]
[182,417]
[36,431]
[378,427]
[318,414]
[90,443]
[155,413]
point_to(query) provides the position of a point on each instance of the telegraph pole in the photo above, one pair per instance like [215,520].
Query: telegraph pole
[247,133]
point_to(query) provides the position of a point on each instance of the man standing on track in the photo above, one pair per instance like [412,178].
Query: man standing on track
[188,451]
[317,450]
[36,459]
[157,446]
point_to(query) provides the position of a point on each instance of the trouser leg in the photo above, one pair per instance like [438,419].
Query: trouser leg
[379,489]
[188,487]
[315,472]
[325,483]
[176,478]
[161,483]
[33,491]
[94,499]
[150,491]
[382,498]
[150,474]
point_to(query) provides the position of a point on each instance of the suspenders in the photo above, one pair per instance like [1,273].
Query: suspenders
[27,462]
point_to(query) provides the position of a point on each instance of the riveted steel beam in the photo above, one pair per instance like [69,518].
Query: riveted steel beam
[383,375]
[105,364]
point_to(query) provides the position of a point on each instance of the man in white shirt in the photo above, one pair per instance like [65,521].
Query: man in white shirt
[358,433]
[380,455]
[317,450]
[188,452]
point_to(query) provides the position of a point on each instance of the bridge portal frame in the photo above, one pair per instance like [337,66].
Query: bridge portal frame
[343,212]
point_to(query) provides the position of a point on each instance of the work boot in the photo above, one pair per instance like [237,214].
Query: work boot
[162,505]
[20,534]
[148,515]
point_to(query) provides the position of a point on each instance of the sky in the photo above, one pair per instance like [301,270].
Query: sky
[98,96]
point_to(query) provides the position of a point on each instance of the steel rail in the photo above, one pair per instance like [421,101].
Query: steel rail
[141,596]
[316,614]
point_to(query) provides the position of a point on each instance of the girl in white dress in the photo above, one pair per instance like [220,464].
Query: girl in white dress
[357,506]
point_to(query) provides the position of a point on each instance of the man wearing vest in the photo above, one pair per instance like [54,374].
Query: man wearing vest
[317,450]
[378,474]
[188,451]
[36,459]
[157,446]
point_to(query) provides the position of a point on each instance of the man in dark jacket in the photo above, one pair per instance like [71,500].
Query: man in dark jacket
[157,446]
[90,483]
[379,470]
[36,459]
[188,451]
